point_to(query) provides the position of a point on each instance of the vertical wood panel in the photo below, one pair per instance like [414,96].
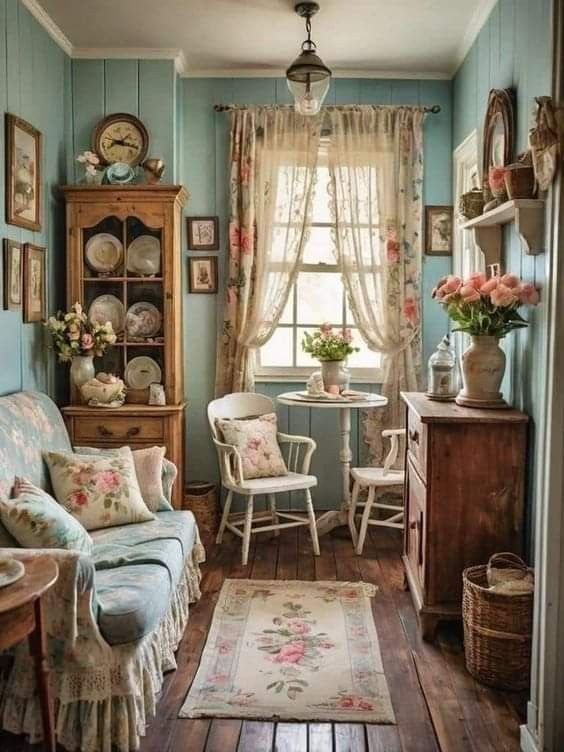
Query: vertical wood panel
[121,86]
[156,106]
[374,91]
[87,102]
[347,91]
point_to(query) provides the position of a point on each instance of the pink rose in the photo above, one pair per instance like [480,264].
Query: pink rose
[326,329]
[489,286]
[452,284]
[528,294]
[79,499]
[510,280]
[293,652]
[347,335]
[502,296]
[410,310]
[107,481]
[87,341]
[393,251]
[469,294]
[475,280]
[253,444]
[363,705]
[299,627]
[496,178]
[346,702]
[234,236]
[247,242]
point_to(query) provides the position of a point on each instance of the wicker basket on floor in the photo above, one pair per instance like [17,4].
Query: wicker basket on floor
[201,499]
[497,629]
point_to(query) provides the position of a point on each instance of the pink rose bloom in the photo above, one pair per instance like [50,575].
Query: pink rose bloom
[510,280]
[363,705]
[347,335]
[293,652]
[475,280]
[234,236]
[299,627]
[393,251]
[247,242]
[253,444]
[452,284]
[410,310]
[325,329]
[346,702]
[79,499]
[528,294]
[87,341]
[489,286]
[496,178]
[502,296]
[469,294]
[107,481]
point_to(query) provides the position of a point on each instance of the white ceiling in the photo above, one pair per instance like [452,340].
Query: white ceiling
[261,37]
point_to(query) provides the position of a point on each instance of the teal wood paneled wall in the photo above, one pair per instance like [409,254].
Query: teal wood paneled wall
[34,77]
[513,50]
[204,154]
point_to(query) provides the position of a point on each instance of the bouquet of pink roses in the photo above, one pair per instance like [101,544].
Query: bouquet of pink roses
[73,333]
[481,306]
[326,344]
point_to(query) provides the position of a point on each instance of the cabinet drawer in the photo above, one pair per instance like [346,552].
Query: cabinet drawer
[417,442]
[416,523]
[118,429]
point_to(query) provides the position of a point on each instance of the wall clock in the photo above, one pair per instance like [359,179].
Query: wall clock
[121,138]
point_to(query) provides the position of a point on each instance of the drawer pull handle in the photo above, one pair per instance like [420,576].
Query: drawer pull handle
[413,525]
[414,436]
[133,431]
[103,431]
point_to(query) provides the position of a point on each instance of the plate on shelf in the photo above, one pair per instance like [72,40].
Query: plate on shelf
[108,308]
[103,253]
[142,371]
[144,256]
[11,570]
[143,320]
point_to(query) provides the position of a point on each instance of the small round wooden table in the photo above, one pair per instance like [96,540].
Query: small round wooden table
[334,518]
[20,617]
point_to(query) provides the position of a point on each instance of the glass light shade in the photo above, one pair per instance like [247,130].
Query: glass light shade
[442,380]
[308,79]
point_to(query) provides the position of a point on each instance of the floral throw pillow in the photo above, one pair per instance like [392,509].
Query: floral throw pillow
[35,520]
[150,470]
[98,491]
[257,444]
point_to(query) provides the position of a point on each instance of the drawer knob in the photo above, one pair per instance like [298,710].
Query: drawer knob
[413,525]
[414,436]
[103,431]
[133,431]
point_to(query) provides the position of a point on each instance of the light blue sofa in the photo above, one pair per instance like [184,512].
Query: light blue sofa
[114,619]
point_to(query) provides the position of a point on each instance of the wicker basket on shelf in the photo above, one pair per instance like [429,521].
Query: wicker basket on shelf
[497,627]
[201,499]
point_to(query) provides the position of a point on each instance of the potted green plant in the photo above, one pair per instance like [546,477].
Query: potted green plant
[487,310]
[331,348]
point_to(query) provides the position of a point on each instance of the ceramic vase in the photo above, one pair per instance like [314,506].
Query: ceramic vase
[483,366]
[82,369]
[335,375]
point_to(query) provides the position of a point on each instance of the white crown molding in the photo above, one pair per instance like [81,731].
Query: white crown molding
[132,53]
[281,73]
[479,18]
[54,31]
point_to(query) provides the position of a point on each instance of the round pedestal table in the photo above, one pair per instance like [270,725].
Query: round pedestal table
[335,518]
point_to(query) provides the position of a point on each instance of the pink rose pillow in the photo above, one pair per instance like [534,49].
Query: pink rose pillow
[98,491]
[256,442]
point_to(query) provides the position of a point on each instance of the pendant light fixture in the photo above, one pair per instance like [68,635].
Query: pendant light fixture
[308,77]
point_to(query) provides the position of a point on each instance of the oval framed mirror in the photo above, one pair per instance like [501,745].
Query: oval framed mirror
[499,134]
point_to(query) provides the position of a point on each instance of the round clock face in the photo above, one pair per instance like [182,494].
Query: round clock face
[121,139]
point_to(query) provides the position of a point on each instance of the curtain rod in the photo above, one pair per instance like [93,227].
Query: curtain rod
[435,109]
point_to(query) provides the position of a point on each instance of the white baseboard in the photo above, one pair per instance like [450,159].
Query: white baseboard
[528,742]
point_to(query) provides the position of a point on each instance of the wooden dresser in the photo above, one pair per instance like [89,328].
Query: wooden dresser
[464,496]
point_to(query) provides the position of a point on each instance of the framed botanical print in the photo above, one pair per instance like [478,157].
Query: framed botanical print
[34,282]
[203,233]
[438,230]
[13,272]
[202,274]
[23,174]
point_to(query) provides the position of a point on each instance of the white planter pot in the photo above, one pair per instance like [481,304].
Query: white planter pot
[482,366]
[82,369]
[334,373]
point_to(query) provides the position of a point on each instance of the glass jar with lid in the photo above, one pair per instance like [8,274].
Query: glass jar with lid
[442,379]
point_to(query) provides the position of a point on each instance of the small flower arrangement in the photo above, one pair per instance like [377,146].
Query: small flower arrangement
[325,344]
[487,307]
[91,164]
[73,333]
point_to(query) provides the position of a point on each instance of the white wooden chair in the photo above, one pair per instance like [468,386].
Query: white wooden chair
[372,478]
[298,457]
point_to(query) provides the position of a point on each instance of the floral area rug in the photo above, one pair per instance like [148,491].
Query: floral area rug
[292,650]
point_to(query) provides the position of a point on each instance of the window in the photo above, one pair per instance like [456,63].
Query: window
[318,296]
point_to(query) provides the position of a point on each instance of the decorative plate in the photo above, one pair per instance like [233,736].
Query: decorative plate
[103,253]
[11,570]
[108,308]
[143,320]
[142,371]
[144,256]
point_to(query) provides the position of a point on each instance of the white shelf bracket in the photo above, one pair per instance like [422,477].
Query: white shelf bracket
[529,223]
[488,239]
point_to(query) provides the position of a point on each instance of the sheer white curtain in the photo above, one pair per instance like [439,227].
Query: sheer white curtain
[273,159]
[376,165]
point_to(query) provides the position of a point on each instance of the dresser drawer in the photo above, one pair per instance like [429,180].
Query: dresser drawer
[123,429]
[417,442]
[416,530]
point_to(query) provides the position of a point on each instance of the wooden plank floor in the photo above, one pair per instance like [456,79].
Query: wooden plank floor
[438,706]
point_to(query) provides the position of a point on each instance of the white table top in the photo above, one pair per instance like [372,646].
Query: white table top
[373,400]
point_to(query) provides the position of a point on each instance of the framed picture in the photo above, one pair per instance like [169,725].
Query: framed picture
[13,272]
[202,274]
[438,230]
[23,174]
[203,233]
[34,293]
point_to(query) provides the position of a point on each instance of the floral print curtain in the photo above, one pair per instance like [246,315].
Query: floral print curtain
[376,166]
[273,158]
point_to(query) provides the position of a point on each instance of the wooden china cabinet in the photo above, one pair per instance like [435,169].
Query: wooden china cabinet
[124,263]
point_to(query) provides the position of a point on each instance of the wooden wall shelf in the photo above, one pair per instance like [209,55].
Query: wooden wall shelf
[528,216]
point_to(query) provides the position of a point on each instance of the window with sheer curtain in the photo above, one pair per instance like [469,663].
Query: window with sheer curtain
[318,295]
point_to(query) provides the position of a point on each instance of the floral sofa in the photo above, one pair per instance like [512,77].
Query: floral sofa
[113,619]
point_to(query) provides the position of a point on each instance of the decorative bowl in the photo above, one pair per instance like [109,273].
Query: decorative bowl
[103,389]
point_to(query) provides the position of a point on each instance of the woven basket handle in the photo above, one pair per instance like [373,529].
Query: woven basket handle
[506,560]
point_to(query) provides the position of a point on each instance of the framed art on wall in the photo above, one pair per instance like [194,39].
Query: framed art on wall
[438,230]
[13,271]
[34,281]
[202,274]
[203,233]
[23,174]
